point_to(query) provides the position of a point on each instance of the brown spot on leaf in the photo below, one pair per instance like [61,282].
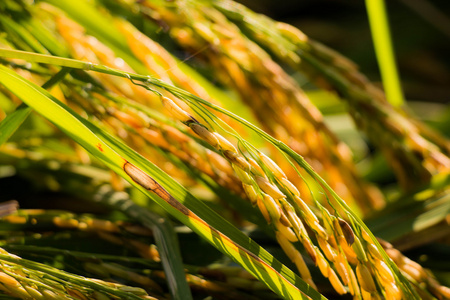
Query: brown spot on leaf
[99,147]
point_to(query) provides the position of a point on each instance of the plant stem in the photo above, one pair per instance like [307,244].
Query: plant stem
[383,48]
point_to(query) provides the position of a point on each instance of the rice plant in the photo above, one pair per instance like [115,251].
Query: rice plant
[147,177]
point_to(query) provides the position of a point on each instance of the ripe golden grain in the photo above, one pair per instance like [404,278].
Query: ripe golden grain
[329,252]
[272,207]
[251,193]
[322,263]
[290,187]
[286,232]
[8,280]
[340,265]
[269,188]
[365,278]
[224,144]
[353,284]
[243,176]
[359,250]
[175,110]
[392,291]
[272,166]
[335,282]
[205,134]
[238,160]
[384,271]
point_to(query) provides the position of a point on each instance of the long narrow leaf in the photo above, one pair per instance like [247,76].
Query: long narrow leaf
[383,47]
[13,121]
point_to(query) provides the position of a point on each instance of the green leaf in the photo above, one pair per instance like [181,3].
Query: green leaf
[13,121]
[383,47]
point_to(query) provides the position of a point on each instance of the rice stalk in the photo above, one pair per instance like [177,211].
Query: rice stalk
[87,47]
[117,232]
[272,201]
[31,280]
[267,181]
[406,142]
[173,140]
[212,279]
[208,162]
[288,217]
[407,266]
[25,219]
[275,98]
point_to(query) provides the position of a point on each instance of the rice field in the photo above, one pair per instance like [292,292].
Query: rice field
[168,150]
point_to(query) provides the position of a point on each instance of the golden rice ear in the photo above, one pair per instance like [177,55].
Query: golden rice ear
[392,291]
[286,232]
[8,280]
[384,271]
[224,144]
[365,278]
[290,187]
[272,166]
[176,111]
[251,193]
[205,134]
[272,207]
[269,188]
[243,176]
[35,294]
